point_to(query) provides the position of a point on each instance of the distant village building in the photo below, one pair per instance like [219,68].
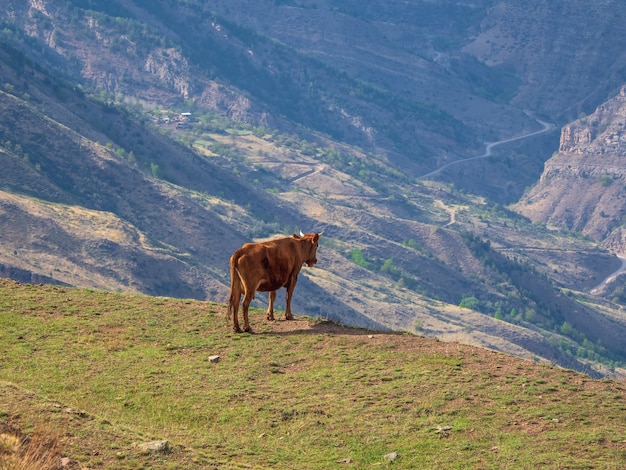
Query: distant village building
[183,121]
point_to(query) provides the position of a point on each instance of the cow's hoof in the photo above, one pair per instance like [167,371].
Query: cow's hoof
[236,329]
[248,330]
[290,317]
[270,318]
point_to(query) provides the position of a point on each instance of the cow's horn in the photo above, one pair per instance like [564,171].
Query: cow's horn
[301,234]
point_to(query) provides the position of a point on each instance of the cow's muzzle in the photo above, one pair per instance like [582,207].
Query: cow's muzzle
[311,262]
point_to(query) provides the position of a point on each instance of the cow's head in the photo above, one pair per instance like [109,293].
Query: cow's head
[309,251]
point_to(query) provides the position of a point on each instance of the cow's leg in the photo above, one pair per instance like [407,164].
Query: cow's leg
[290,287]
[233,308]
[247,298]
[270,307]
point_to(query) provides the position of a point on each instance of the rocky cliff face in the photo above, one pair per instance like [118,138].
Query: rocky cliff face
[583,186]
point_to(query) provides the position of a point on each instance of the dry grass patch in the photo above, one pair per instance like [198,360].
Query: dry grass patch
[39,451]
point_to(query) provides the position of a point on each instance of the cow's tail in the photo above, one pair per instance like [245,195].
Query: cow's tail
[235,283]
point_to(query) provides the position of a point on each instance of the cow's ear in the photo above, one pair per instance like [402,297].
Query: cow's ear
[293,235]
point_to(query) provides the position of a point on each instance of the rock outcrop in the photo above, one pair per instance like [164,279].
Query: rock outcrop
[583,185]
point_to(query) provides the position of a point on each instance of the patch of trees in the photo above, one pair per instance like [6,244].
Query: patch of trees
[389,269]
[619,296]
[544,311]
[15,149]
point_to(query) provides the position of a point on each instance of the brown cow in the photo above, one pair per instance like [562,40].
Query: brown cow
[266,267]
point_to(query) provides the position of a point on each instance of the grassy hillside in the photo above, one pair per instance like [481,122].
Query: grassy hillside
[91,375]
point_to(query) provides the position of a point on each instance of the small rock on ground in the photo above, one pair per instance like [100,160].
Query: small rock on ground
[155,446]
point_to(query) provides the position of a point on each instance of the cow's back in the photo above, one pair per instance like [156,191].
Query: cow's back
[283,261]
[267,266]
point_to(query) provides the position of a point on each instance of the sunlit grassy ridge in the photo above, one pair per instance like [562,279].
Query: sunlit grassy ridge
[113,370]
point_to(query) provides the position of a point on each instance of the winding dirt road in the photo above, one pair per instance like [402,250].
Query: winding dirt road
[313,171]
[611,277]
[546,127]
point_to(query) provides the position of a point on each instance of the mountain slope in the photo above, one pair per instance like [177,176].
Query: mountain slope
[73,170]
[544,42]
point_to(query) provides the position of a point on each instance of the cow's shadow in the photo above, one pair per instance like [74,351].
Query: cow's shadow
[323,314]
[307,326]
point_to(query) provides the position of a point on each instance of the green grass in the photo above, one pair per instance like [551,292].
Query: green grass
[138,368]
